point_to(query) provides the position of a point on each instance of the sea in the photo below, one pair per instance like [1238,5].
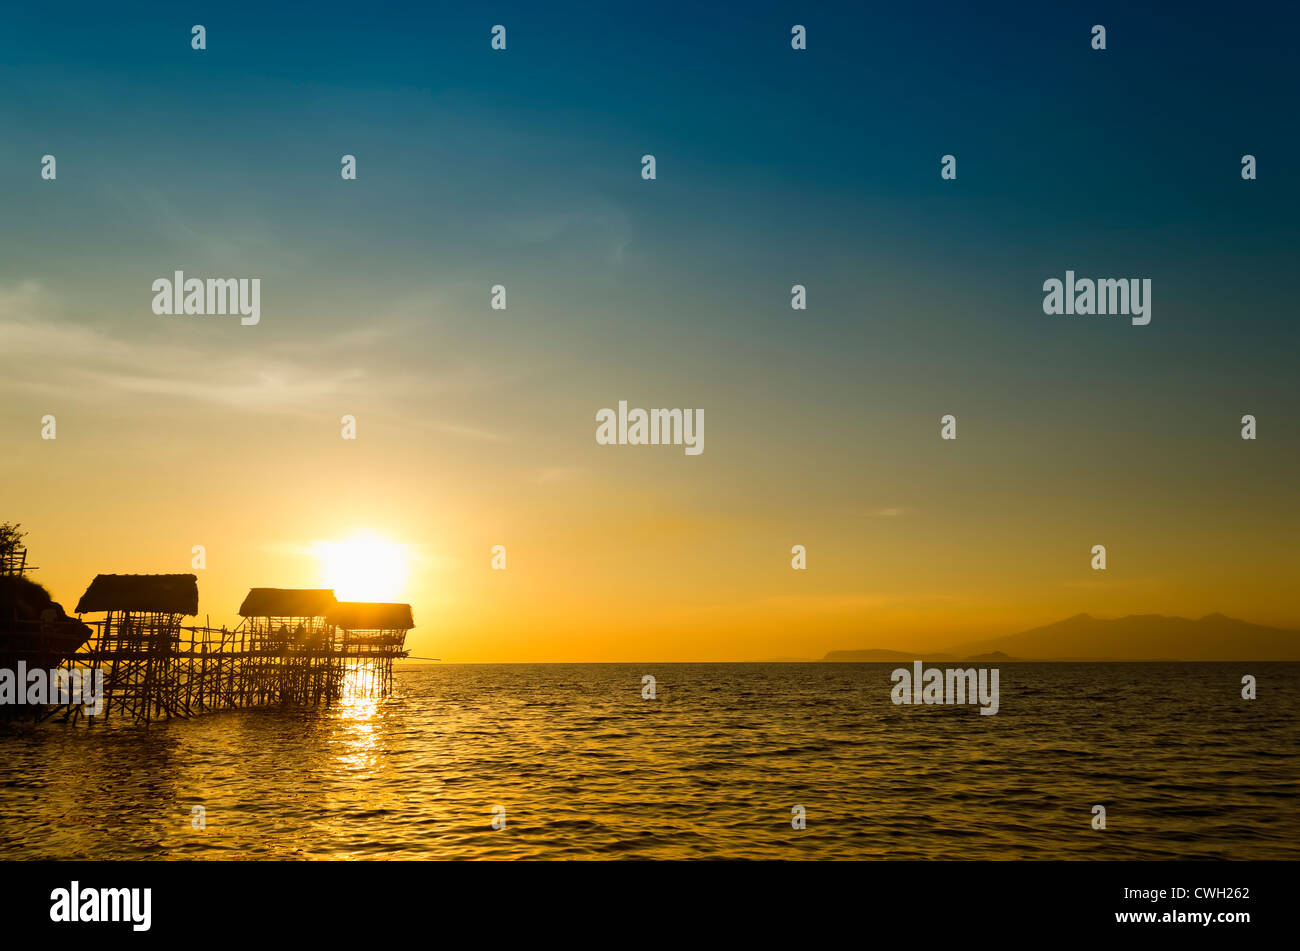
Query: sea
[783,761]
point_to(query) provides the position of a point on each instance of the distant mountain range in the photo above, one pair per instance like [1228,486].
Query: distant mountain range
[1136,637]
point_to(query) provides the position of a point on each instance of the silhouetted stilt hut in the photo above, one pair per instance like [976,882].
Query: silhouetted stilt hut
[138,642]
[373,635]
[292,648]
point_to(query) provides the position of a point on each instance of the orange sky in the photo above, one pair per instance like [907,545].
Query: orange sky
[635,553]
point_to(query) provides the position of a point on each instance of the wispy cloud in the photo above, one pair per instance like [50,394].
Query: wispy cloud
[48,353]
[553,474]
[893,511]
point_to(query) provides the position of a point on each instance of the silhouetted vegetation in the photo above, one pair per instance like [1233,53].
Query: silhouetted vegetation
[11,541]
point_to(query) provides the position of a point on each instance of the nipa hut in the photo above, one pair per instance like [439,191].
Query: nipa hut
[372,627]
[293,655]
[140,610]
[279,617]
[137,642]
[373,634]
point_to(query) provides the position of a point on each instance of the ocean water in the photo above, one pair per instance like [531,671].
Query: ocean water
[711,768]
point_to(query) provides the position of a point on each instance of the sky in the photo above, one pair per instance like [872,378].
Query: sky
[522,167]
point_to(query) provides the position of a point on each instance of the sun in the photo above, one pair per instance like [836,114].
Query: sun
[363,568]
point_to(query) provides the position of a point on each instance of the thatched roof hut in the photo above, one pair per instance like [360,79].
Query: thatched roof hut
[157,594]
[288,602]
[371,616]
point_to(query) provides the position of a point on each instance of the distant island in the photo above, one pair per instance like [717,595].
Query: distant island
[1136,637]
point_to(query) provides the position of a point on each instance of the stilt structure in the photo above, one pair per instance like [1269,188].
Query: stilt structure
[137,644]
[292,649]
[373,635]
[294,646]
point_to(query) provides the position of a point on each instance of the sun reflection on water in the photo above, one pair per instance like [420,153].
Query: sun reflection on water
[357,713]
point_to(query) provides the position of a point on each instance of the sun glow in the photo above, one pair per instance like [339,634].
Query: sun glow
[363,568]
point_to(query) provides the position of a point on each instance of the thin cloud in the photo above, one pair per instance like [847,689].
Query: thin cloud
[49,354]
